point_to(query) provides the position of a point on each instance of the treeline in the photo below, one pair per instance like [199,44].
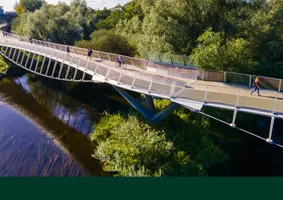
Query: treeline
[237,35]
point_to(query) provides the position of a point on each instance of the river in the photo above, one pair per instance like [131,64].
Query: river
[44,132]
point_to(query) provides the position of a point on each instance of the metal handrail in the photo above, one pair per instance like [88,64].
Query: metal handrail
[169,91]
[143,60]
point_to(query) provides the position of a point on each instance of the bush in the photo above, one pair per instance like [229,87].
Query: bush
[107,41]
[179,147]
[3,66]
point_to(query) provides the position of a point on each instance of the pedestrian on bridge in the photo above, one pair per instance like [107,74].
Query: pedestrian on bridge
[68,50]
[89,53]
[256,86]
[119,61]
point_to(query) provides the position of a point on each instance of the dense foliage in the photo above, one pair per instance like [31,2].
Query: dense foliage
[179,147]
[237,35]
[107,40]
[3,66]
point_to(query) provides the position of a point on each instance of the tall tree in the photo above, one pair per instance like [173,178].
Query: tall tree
[31,5]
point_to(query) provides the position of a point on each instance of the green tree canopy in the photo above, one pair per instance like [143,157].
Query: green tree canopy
[214,52]
[31,5]
[108,41]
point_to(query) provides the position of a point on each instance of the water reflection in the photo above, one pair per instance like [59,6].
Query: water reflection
[44,132]
[71,112]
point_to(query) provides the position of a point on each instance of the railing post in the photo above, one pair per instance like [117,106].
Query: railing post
[279,87]
[133,83]
[49,62]
[269,140]
[53,71]
[42,63]
[19,53]
[67,72]
[275,104]
[75,74]
[149,86]
[61,68]
[38,58]
[32,61]
[11,48]
[236,110]
[27,59]
[109,57]
[238,98]
[95,69]
[14,54]
[83,77]
[172,89]
[119,79]
[71,59]
[224,77]
[6,49]
[49,67]
[250,81]
[107,74]
[205,95]
[23,57]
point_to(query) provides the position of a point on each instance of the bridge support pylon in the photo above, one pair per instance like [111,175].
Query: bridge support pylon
[148,112]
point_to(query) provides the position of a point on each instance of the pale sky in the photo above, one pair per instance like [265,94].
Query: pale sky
[9,4]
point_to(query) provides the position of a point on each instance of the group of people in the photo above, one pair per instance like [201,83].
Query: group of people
[89,53]
[5,34]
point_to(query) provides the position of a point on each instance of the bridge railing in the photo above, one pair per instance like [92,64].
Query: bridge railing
[205,75]
[141,63]
[241,79]
[166,88]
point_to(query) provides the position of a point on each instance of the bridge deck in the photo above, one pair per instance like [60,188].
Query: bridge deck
[186,91]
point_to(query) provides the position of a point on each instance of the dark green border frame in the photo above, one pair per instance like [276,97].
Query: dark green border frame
[140,188]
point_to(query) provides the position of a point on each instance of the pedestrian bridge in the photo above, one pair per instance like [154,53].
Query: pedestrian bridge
[189,87]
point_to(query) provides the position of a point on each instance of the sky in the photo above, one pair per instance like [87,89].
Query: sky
[9,4]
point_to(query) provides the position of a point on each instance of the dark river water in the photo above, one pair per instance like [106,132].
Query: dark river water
[44,132]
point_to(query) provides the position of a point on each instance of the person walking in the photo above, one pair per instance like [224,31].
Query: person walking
[118,61]
[256,86]
[68,50]
[89,53]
